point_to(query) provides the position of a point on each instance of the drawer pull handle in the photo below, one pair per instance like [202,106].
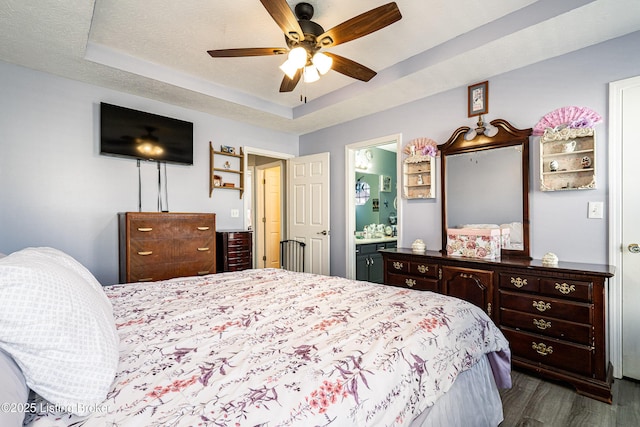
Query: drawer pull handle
[203,228]
[145,229]
[410,282]
[541,324]
[397,265]
[146,279]
[518,282]
[542,306]
[565,288]
[203,249]
[145,253]
[423,268]
[542,348]
[202,273]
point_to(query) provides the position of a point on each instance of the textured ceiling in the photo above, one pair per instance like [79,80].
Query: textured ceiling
[158,49]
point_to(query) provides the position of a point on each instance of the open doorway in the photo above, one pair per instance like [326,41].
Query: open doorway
[264,204]
[361,160]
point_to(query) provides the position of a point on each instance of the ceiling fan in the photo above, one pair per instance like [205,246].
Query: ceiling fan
[306,38]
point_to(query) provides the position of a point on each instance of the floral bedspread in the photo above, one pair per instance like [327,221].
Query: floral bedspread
[275,348]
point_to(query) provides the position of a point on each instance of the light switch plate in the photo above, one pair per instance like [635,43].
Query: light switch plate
[595,210]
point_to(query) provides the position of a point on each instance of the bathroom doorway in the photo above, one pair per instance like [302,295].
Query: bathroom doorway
[374,163]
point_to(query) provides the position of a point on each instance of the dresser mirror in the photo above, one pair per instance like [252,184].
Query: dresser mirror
[485,182]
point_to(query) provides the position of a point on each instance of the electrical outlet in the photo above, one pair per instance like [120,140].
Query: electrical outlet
[595,210]
[235,213]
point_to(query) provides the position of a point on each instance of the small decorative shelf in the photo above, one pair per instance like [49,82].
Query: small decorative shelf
[567,160]
[226,171]
[417,173]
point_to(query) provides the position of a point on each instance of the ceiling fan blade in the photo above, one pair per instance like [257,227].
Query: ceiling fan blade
[361,25]
[251,51]
[350,68]
[285,18]
[288,84]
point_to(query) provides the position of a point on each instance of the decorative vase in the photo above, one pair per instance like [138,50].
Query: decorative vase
[418,246]
[550,260]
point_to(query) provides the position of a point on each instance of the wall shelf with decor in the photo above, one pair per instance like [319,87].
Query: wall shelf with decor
[226,169]
[417,177]
[567,159]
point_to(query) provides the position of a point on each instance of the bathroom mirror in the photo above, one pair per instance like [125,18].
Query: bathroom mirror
[485,182]
[374,206]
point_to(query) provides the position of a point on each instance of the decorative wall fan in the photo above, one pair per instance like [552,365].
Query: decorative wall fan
[572,117]
[306,38]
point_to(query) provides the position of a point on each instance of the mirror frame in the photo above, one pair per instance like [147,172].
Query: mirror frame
[507,136]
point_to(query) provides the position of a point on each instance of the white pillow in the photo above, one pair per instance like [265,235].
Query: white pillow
[59,257]
[14,391]
[58,328]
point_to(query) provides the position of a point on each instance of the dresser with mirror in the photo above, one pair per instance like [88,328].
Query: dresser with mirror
[554,315]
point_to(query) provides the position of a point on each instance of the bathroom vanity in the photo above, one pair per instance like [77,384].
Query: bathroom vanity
[369,263]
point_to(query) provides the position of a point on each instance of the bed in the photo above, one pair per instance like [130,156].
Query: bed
[264,347]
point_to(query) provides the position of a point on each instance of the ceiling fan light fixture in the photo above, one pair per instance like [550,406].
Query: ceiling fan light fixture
[322,62]
[289,68]
[311,74]
[298,57]
[305,37]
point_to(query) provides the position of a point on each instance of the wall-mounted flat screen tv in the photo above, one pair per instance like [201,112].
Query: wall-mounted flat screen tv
[136,134]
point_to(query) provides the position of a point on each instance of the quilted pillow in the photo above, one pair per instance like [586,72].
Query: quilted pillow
[59,329]
[58,257]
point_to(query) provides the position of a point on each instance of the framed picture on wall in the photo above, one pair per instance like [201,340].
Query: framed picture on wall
[385,183]
[478,99]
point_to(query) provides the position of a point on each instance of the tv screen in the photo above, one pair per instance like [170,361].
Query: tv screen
[131,133]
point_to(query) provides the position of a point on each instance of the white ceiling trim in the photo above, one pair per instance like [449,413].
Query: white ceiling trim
[437,46]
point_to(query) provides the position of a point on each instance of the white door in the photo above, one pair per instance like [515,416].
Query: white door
[308,209]
[630,259]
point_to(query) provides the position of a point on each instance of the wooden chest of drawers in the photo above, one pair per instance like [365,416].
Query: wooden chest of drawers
[234,249]
[159,246]
[553,317]
[555,320]
[414,273]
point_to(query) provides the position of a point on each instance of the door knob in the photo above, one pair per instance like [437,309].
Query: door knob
[323,232]
[634,248]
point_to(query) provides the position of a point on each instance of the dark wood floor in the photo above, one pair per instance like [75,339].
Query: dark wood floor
[533,402]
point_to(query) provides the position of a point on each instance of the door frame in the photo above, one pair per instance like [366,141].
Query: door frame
[247,204]
[350,194]
[615,318]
